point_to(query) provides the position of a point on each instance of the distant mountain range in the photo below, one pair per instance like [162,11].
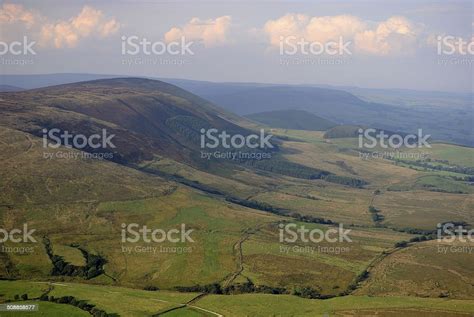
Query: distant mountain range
[431,112]
[7,88]
[150,120]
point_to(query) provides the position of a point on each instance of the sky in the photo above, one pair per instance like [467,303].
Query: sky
[421,45]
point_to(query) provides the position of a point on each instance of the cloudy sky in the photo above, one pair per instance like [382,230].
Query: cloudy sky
[377,44]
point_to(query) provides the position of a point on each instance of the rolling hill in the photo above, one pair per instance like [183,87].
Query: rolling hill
[446,116]
[452,122]
[236,265]
[148,117]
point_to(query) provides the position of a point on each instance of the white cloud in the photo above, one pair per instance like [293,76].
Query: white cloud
[288,25]
[13,13]
[108,28]
[394,36]
[90,22]
[211,32]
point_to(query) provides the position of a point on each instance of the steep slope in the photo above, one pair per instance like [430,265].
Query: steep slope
[148,117]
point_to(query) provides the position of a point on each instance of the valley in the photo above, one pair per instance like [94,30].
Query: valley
[236,262]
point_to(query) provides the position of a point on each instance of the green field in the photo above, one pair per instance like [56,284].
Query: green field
[131,302]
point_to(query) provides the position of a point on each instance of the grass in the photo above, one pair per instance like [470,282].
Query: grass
[428,269]
[434,183]
[269,305]
[265,262]
[133,302]
[123,301]
[187,311]
[89,200]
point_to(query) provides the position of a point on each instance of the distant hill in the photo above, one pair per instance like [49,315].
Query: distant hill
[395,110]
[45,80]
[339,105]
[343,131]
[148,117]
[292,119]
[7,88]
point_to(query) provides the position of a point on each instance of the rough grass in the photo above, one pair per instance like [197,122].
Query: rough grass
[268,305]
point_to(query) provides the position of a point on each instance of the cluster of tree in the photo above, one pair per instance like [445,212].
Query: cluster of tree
[279,211]
[214,288]
[463,179]
[249,287]
[81,304]
[433,232]
[312,219]
[415,231]
[22,296]
[94,263]
[377,218]
[256,205]
[425,235]
[345,180]
[307,292]
[288,168]
[191,183]
[401,244]
[353,286]
[448,168]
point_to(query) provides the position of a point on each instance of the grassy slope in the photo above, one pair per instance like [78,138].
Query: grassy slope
[90,200]
[131,302]
[140,198]
[420,204]
[123,301]
[266,305]
[428,269]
